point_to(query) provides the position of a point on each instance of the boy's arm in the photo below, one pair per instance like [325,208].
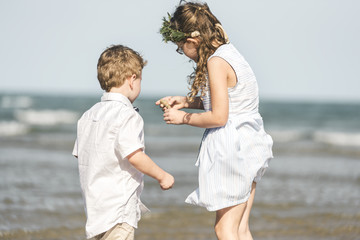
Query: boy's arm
[144,164]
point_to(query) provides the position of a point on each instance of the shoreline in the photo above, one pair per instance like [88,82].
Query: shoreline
[192,223]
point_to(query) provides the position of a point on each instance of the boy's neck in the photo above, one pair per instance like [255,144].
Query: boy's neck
[120,90]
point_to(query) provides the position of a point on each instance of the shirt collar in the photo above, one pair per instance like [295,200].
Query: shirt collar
[109,96]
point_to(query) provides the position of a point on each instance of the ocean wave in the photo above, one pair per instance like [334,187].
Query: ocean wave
[16,102]
[46,117]
[289,135]
[338,138]
[333,138]
[12,128]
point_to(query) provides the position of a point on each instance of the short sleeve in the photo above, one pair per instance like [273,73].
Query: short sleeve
[131,135]
[75,150]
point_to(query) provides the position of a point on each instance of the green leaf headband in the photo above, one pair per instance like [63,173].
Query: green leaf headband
[173,35]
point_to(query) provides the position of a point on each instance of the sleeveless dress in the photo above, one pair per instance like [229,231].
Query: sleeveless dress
[232,157]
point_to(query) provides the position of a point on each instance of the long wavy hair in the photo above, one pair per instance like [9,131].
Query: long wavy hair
[190,17]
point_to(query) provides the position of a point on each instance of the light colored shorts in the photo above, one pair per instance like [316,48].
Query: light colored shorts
[121,231]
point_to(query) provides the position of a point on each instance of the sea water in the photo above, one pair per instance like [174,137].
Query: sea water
[310,191]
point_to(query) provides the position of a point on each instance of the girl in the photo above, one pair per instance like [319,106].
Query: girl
[235,149]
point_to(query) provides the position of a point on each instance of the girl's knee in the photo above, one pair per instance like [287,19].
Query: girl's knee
[218,230]
[225,232]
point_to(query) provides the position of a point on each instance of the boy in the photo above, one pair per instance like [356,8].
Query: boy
[110,150]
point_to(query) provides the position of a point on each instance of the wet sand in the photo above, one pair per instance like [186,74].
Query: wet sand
[175,223]
[190,223]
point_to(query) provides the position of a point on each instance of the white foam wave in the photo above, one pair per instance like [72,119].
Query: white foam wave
[12,128]
[16,102]
[282,136]
[334,138]
[46,117]
[338,138]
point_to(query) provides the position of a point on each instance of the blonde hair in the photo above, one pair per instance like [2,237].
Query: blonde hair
[191,18]
[117,63]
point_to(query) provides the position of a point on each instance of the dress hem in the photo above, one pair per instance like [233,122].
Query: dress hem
[218,207]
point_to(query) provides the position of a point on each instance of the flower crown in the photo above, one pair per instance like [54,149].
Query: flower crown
[170,34]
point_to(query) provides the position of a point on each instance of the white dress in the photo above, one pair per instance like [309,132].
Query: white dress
[232,157]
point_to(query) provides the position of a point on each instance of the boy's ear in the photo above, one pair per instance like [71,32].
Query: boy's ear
[131,80]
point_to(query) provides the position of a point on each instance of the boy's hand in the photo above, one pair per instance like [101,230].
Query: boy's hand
[166,182]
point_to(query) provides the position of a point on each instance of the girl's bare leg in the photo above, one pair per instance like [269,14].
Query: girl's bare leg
[244,230]
[228,221]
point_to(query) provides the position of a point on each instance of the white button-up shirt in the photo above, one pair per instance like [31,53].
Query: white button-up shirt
[106,134]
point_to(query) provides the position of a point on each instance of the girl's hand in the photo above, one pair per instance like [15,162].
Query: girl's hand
[174,116]
[176,102]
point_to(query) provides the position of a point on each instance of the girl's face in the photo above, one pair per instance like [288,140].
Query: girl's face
[189,48]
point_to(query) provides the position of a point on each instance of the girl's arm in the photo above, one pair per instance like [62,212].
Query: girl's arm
[218,72]
[196,104]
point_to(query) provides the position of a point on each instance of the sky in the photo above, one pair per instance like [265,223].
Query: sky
[299,49]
